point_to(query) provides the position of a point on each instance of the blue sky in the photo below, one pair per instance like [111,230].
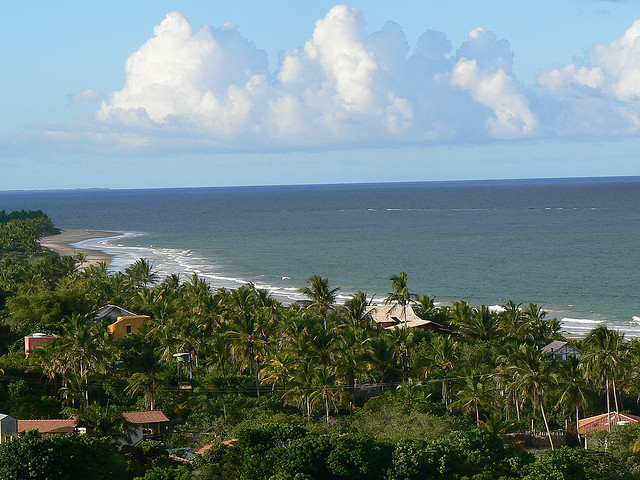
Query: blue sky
[167,94]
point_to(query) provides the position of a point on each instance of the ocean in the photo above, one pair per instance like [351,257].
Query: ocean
[568,244]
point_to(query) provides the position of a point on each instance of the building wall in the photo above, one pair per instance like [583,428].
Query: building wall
[126,325]
[8,429]
[32,342]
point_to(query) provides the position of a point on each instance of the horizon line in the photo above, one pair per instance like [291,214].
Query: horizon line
[337,184]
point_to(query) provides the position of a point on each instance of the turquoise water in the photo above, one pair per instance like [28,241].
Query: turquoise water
[570,245]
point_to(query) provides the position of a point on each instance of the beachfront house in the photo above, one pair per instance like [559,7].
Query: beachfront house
[396,316]
[559,350]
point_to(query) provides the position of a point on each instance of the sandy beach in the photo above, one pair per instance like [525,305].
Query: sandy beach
[63,244]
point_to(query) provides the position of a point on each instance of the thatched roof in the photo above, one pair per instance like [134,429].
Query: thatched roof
[397,316]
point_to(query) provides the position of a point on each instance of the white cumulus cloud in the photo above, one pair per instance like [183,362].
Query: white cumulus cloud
[345,87]
[603,95]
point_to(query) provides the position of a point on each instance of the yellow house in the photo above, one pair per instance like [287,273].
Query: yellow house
[126,325]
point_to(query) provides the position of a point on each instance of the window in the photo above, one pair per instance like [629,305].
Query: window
[128,329]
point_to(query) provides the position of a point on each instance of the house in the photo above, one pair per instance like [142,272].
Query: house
[149,424]
[396,316]
[604,422]
[127,325]
[48,426]
[108,313]
[559,350]
[121,322]
[8,428]
[35,340]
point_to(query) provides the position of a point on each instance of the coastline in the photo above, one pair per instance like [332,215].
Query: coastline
[63,243]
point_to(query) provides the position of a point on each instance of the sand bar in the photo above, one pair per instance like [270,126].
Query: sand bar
[63,244]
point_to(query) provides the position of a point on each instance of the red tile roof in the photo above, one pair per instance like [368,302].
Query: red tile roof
[599,422]
[66,425]
[145,416]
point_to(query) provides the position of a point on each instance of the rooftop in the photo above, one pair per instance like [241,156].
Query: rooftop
[108,312]
[145,416]
[395,316]
[65,425]
[599,422]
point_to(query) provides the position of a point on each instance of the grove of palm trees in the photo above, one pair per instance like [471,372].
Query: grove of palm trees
[313,389]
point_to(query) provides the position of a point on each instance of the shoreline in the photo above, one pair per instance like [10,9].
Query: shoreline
[63,244]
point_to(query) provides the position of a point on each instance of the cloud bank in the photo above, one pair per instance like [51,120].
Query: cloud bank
[345,88]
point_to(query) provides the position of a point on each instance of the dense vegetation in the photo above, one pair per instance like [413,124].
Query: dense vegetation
[309,390]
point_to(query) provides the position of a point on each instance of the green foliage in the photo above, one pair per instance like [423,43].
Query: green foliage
[20,236]
[220,462]
[181,472]
[463,454]
[355,458]
[24,401]
[309,456]
[278,435]
[59,457]
[577,464]
[144,456]
[392,417]
[26,310]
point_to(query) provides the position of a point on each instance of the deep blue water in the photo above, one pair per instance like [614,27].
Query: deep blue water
[571,245]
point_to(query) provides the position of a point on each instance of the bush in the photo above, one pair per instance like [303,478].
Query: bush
[59,457]
[476,454]
[576,464]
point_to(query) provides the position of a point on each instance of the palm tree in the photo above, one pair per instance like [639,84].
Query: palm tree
[477,391]
[323,345]
[348,358]
[442,357]
[512,319]
[402,340]
[426,308]
[278,369]
[460,315]
[400,294]
[604,356]
[100,422]
[496,424]
[573,388]
[325,389]
[79,346]
[141,273]
[73,391]
[532,374]
[483,325]
[381,359]
[356,307]
[320,297]
[246,336]
[147,379]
